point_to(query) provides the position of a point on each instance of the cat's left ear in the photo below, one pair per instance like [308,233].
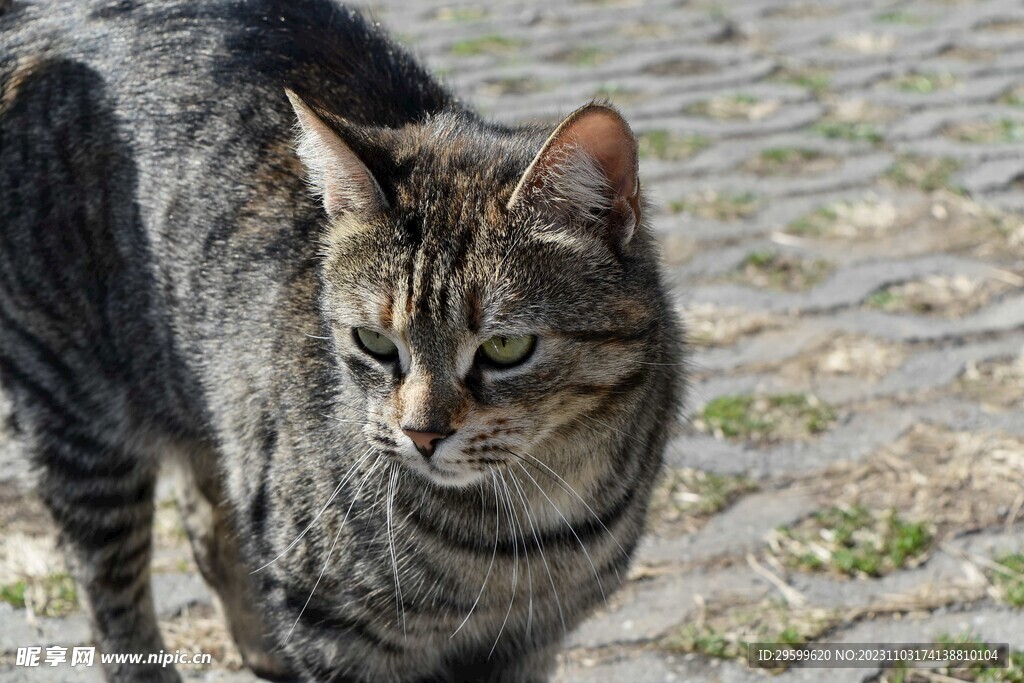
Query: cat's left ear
[587,169]
[336,173]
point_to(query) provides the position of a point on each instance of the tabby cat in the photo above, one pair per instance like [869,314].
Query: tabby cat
[420,408]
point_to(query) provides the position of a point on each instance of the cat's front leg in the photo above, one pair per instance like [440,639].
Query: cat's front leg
[215,544]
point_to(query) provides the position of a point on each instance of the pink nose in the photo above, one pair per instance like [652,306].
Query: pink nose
[425,441]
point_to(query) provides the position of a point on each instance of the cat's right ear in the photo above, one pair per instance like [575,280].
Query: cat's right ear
[335,172]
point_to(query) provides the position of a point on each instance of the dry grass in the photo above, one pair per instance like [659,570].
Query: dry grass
[944,220]
[781,271]
[945,296]
[987,132]
[724,630]
[676,250]
[847,356]
[666,146]
[711,325]
[866,42]
[718,206]
[955,480]
[928,174]
[737,107]
[33,574]
[968,53]
[998,384]
[924,82]
[201,630]
[804,10]
[790,161]
[867,218]
[858,110]
[686,499]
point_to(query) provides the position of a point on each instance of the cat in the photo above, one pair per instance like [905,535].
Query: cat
[419,369]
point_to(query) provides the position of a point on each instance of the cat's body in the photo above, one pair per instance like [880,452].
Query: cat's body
[168,289]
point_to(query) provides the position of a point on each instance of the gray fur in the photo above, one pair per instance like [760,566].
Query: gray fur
[169,288]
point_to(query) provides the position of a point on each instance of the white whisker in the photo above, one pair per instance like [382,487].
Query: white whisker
[540,546]
[506,501]
[390,497]
[568,488]
[330,500]
[497,518]
[330,553]
[583,546]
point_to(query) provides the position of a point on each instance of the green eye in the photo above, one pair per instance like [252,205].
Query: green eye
[375,343]
[508,350]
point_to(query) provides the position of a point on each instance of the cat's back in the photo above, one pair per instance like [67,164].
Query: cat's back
[198,53]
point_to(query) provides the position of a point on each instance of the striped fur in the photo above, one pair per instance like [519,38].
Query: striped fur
[169,289]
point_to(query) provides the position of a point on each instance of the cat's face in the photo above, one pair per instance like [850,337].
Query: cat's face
[484,318]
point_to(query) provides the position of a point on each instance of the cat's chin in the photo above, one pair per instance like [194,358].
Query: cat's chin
[446,477]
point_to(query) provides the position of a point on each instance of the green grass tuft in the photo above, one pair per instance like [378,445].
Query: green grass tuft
[853,541]
[925,173]
[1010,579]
[846,130]
[14,594]
[925,83]
[660,144]
[491,45]
[766,418]
[718,206]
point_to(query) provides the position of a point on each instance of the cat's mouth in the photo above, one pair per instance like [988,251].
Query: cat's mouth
[446,474]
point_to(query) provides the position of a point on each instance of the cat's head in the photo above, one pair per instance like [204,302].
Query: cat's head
[494,296]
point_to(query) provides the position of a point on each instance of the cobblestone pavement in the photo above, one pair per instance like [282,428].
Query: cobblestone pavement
[840,187]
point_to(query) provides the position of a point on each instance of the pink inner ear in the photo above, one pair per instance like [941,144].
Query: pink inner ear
[599,133]
[604,136]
